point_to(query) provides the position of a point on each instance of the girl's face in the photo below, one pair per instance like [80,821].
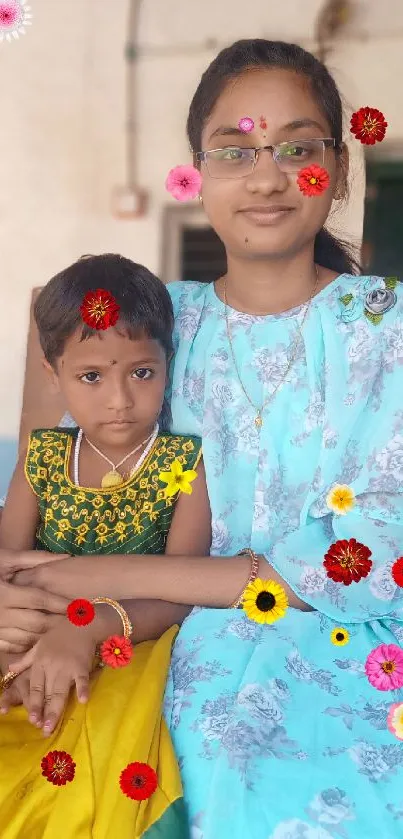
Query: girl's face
[239,208]
[112,386]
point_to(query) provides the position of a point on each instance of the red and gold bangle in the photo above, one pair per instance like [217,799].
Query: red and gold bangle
[254,570]
[127,624]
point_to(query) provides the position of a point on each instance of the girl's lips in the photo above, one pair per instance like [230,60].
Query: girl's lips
[266,215]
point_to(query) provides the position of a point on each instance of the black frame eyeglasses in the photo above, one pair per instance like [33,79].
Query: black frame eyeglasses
[290,156]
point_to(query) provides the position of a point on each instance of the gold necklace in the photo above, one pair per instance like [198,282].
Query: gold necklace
[259,411]
[113,477]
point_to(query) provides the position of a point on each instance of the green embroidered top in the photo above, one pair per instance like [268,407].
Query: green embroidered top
[133,517]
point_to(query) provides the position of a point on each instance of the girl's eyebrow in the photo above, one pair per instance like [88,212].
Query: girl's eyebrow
[305,122]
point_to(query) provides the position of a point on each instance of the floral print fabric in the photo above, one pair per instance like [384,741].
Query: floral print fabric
[279,733]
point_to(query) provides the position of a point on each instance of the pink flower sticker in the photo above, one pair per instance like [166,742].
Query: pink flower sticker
[384,667]
[14,16]
[184,182]
[246,125]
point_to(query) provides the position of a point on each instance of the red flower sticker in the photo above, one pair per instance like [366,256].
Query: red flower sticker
[397,571]
[138,781]
[313,180]
[80,612]
[368,125]
[347,561]
[99,309]
[58,768]
[116,651]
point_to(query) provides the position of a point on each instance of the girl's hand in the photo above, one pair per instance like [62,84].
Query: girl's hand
[16,694]
[61,658]
[23,616]
[13,561]
[80,576]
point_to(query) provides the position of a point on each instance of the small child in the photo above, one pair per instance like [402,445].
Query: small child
[114,484]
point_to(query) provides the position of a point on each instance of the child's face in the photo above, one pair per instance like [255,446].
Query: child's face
[281,97]
[113,386]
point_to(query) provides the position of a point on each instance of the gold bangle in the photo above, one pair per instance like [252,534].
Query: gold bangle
[7,680]
[254,570]
[127,624]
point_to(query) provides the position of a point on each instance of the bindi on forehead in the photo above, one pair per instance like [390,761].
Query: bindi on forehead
[113,362]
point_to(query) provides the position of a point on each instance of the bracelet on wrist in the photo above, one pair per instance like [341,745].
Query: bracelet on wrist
[254,570]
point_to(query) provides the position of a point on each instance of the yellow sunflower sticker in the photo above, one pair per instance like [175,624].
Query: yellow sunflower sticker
[265,601]
[339,636]
[177,480]
[341,499]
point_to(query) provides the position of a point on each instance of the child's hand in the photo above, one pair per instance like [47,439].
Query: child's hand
[61,658]
[17,693]
[12,561]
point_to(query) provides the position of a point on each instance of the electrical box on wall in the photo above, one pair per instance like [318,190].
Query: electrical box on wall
[129,202]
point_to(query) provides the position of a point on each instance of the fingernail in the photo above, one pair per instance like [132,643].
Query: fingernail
[33,718]
[3,710]
[47,728]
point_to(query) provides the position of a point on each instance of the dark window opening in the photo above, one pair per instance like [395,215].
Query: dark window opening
[383,227]
[203,256]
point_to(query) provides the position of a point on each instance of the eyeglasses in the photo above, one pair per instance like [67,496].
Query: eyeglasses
[237,162]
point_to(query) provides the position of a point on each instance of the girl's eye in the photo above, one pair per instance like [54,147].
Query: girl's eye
[143,373]
[90,378]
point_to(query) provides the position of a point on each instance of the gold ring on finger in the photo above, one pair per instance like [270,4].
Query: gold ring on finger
[7,680]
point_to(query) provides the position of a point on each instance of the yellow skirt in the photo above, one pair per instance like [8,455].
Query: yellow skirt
[122,723]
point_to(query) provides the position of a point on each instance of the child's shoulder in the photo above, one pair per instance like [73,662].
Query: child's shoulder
[187,441]
[53,439]
[51,435]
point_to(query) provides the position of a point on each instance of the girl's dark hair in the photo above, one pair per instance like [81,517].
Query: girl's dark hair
[261,54]
[145,305]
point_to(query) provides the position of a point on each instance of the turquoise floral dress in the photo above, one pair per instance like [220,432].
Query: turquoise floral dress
[279,731]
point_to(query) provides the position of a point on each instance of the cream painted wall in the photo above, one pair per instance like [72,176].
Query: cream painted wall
[61,137]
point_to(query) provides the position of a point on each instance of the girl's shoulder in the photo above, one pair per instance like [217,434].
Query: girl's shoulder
[377,300]
[185,293]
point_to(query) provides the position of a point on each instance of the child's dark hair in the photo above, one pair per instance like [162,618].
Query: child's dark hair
[145,305]
[255,54]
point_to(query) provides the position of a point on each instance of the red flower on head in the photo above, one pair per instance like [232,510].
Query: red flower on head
[58,768]
[313,180]
[80,612]
[99,309]
[138,781]
[116,651]
[368,125]
[347,561]
[397,571]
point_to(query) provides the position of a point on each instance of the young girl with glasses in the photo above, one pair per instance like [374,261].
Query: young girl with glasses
[286,716]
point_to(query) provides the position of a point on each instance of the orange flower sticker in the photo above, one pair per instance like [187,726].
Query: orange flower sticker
[99,309]
[368,125]
[313,180]
[116,651]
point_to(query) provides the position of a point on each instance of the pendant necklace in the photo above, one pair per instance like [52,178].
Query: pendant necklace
[113,478]
[259,411]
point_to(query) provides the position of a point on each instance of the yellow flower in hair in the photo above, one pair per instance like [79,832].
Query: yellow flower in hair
[339,636]
[177,480]
[265,601]
[341,499]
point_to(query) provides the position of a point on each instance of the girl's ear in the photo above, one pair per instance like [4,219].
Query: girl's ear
[343,163]
[52,375]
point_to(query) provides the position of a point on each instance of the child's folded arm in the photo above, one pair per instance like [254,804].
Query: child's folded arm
[20,516]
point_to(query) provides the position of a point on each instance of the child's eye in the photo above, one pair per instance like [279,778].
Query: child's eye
[90,378]
[143,373]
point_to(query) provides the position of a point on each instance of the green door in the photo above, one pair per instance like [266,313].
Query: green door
[383,221]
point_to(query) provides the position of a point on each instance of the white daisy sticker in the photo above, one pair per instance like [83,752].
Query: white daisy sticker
[15,15]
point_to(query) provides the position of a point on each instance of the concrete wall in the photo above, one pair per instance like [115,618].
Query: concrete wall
[62,142]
